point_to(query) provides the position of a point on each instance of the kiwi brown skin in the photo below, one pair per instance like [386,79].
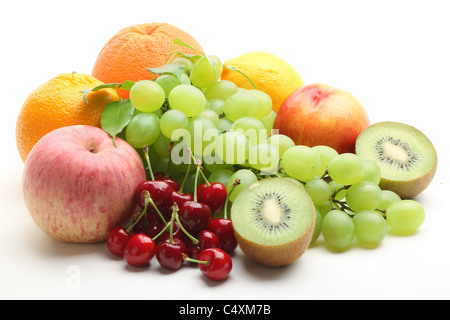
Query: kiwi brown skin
[277,255]
[409,189]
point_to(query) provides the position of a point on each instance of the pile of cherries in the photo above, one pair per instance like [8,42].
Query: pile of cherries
[178,227]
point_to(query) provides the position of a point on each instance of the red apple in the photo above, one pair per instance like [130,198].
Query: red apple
[318,114]
[77,185]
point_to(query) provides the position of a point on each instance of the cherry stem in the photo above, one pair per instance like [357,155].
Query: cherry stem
[169,149]
[147,196]
[196,183]
[186,258]
[176,216]
[199,165]
[147,159]
[225,209]
[187,173]
[144,212]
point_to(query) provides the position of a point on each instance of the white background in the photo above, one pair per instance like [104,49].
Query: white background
[394,56]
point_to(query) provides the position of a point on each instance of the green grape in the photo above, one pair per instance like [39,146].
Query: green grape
[211,115]
[319,190]
[172,120]
[202,132]
[265,104]
[240,104]
[317,228]
[224,125]
[206,71]
[324,208]
[187,63]
[147,96]
[346,169]
[232,147]
[264,157]
[268,121]
[221,175]
[301,163]
[161,146]
[246,177]
[372,171]
[169,81]
[326,154]
[143,129]
[216,105]
[252,128]
[221,90]
[281,142]
[187,99]
[405,217]
[370,228]
[387,197]
[338,230]
[362,196]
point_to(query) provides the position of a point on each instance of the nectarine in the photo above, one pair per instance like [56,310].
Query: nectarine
[318,114]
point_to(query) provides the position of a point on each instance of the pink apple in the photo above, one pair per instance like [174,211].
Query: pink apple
[77,185]
[318,114]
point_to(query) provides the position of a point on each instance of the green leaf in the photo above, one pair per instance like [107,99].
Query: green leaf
[126,86]
[178,41]
[116,116]
[238,71]
[171,68]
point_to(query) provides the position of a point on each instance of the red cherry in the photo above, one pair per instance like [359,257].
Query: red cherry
[139,250]
[150,225]
[160,176]
[170,254]
[206,239]
[223,229]
[181,198]
[194,216]
[212,194]
[214,263]
[117,240]
[160,193]
[176,233]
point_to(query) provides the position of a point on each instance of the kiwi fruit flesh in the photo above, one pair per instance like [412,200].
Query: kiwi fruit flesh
[407,158]
[273,220]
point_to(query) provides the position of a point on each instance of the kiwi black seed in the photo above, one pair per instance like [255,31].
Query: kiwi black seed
[407,158]
[273,220]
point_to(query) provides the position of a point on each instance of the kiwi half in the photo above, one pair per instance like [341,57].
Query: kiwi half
[407,158]
[273,220]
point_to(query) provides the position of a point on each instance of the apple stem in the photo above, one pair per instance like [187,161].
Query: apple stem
[225,209]
[187,172]
[147,159]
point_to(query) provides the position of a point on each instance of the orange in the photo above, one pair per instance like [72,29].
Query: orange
[58,103]
[270,74]
[128,54]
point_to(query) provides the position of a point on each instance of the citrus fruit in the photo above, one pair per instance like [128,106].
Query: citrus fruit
[59,103]
[128,54]
[270,74]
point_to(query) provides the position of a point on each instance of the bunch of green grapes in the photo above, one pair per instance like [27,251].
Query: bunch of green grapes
[350,204]
[225,126]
